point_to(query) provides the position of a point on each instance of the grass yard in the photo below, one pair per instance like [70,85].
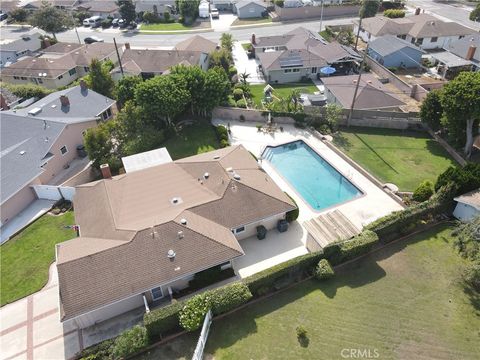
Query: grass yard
[395,156]
[281,90]
[246,46]
[192,139]
[174,26]
[25,259]
[403,302]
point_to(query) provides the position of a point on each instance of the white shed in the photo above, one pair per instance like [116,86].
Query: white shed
[204,9]
[468,205]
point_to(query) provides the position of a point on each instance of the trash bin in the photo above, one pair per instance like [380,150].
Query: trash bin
[282,225]
[81,151]
[261,232]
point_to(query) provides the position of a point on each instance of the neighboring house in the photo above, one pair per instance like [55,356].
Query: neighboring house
[371,94]
[246,9]
[197,43]
[6,7]
[7,99]
[60,4]
[158,7]
[144,234]
[300,54]
[58,65]
[100,8]
[27,45]
[425,31]
[468,206]
[222,5]
[467,48]
[391,51]
[149,63]
[449,65]
[39,141]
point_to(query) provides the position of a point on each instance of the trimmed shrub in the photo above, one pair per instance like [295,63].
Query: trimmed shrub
[471,275]
[229,297]
[466,178]
[231,102]
[394,13]
[162,321]
[340,252]
[292,215]
[99,351]
[423,192]
[232,70]
[27,91]
[242,104]
[192,314]
[210,276]
[238,94]
[323,270]
[301,332]
[282,274]
[129,342]
[224,143]
[222,132]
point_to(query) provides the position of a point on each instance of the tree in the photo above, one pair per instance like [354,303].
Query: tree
[475,14]
[369,8]
[461,105]
[293,99]
[100,146]
[127,10]
[19,15]
[150,17]
[243,77]
[50,19]
[467,240]
[431,110]
[194,78]
[216,89]
[221,58]
[80,16]
[125,89]
[189,10]
[333,113]
[99,78]
[226,41]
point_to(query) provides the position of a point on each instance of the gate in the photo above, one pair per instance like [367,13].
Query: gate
[51,192]
[202,340]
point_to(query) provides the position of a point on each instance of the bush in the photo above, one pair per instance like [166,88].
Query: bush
[222,132]
[229,297]
[340,252]
[210,276]
[129,342]
[99,351]
[232,102]
[394,13]
[224,143]
[106,23]
[242,104]
[162,321]
[393,69]
[150,17]
[27,91]
[423,192]
[301,332]
[466,178]
[292,215]
[166,17]
[232,70]
[323,270]
[282,274]
[192,314]
[471,275]
[238,94]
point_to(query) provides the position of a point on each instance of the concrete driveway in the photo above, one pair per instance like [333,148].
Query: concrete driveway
[223,22]
[244,64]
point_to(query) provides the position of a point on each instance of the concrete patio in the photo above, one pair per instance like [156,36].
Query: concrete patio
[246,65]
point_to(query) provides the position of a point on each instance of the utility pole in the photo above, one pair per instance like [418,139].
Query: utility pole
[118,56]
[358,33]
[321,17]
[350,113]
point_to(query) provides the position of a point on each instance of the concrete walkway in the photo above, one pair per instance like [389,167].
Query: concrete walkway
[244,64]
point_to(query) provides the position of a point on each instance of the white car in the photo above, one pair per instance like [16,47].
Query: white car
[214,13]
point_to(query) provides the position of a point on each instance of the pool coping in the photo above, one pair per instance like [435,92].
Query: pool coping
[315,211]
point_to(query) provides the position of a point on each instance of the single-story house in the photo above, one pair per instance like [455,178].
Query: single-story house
[6,7]
[60,4]
[468,206]
[102,8]
[197,43]
[7,99]
[146,233]
[246,9]
[425,31]
[467,48]
[371,94]
[449,65]
[158,7]
[222,5]
[391,51]
[59,64]
[149,63]
[39,141]
[27,45]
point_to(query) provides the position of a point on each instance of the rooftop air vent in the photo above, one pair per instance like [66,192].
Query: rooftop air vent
[180,235]
[171,254]
[216,157]
[229,169]
[23,152]
[35,111]
[206,175]
[183,221]
[176,200]
[237,177]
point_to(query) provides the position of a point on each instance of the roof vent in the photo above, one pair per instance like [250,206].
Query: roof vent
[171,254]
[35,111]
[216,157]
[237,177]
[176,200]
[229,169]
[206,175]
[183,221]
[23,152]
[180,235]
[54,106]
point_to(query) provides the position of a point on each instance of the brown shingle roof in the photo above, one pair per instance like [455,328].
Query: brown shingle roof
[197,43]
[119,256]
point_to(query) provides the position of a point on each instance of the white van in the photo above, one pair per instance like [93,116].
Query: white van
[94,21]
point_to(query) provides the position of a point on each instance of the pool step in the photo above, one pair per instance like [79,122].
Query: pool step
[330,227]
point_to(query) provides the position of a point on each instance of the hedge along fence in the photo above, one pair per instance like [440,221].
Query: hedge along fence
[163,321]
[403,222]
[340,252]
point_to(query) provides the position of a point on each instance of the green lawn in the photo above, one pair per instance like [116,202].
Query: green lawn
[400,157]
[25,259]
[281,90]
[247,46]
[404,302]
[192,139]
[173,26]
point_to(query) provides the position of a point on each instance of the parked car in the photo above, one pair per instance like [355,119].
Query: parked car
[95,21]
[132,26]
[115,22]
[3,16]
[214,13]
[92,39]
[122,24]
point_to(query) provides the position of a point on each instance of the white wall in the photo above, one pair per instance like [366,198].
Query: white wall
[428,44]
[465,212]
[251,229]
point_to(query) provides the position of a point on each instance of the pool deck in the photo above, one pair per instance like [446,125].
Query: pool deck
[373,204]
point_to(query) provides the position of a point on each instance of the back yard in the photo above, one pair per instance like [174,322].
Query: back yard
[281,90]
[25,258]
[404,302]
[400,157]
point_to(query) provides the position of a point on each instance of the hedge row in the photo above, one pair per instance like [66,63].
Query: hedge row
[340,252]
[222,135]
[162,321]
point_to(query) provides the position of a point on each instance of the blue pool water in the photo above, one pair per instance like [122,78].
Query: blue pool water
[318,182]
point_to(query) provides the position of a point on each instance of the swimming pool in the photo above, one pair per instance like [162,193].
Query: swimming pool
[318,182]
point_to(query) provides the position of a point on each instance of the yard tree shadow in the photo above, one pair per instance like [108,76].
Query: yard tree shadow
[376,153]
[340,140]
[436,149]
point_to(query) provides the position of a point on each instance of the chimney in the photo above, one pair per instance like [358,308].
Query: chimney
[106,173]
[471,52]
[417,11]
[64,100]
[83,85]
[127,46]
[254,41]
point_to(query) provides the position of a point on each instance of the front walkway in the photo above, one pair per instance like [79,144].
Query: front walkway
[244,64]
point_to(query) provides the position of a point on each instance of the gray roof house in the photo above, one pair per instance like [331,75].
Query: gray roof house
[467,48]
[25,46]
[391,51]
[247,9]
[144,234]
[40,140]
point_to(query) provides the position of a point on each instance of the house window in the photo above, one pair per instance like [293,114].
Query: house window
[239,230]
[23,78]
[461,36]
[157,293]
[420,41]
[40,81]
[402,36]
[287,71]
[63,149]
[314,70]
[296,70]
[16,77]
[72,72]
[434,39]
[413,40]
[60,77]
[86,68]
